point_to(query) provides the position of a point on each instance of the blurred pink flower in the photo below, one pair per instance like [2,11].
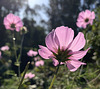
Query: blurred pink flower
[85,17]
[13,22]
[63,49]
[36,58]
[4,48]
[29,75]
[39,63]
[32,53]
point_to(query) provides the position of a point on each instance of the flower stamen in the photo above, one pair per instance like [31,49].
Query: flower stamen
[86,20]
[12,25]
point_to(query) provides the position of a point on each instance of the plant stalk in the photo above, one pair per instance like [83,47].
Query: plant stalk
[26,68]
[14,44]
[54,76]
[19,60]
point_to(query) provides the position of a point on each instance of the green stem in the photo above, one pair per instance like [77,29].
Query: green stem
[14,46]
[52,82]
[26,68]
[19,60]
[54,76]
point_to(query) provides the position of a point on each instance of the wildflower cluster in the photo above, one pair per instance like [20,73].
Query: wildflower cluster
[61,47]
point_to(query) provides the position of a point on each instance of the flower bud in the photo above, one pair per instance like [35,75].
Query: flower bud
[23,30]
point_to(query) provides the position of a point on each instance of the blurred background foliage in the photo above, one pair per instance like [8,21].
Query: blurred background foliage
[59,12]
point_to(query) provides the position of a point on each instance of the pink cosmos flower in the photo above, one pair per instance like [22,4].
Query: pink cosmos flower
[39,63]
[32,53]
[13,22]
[63,49]
[85,17]
[29,75]
[4,48]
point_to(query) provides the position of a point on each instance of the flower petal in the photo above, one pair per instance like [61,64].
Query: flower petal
[17,29]
[78,43]
[6,22]
[69,65]
[44,52]
[32,53]
[79,23]
[8,27]
[16,20]
[10,18]
[78,54]
[93,15]
[55,62]
[19,24]
[87,14]
[39,63]
[73,65]
[26,76]
[52,41]
[65,36]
